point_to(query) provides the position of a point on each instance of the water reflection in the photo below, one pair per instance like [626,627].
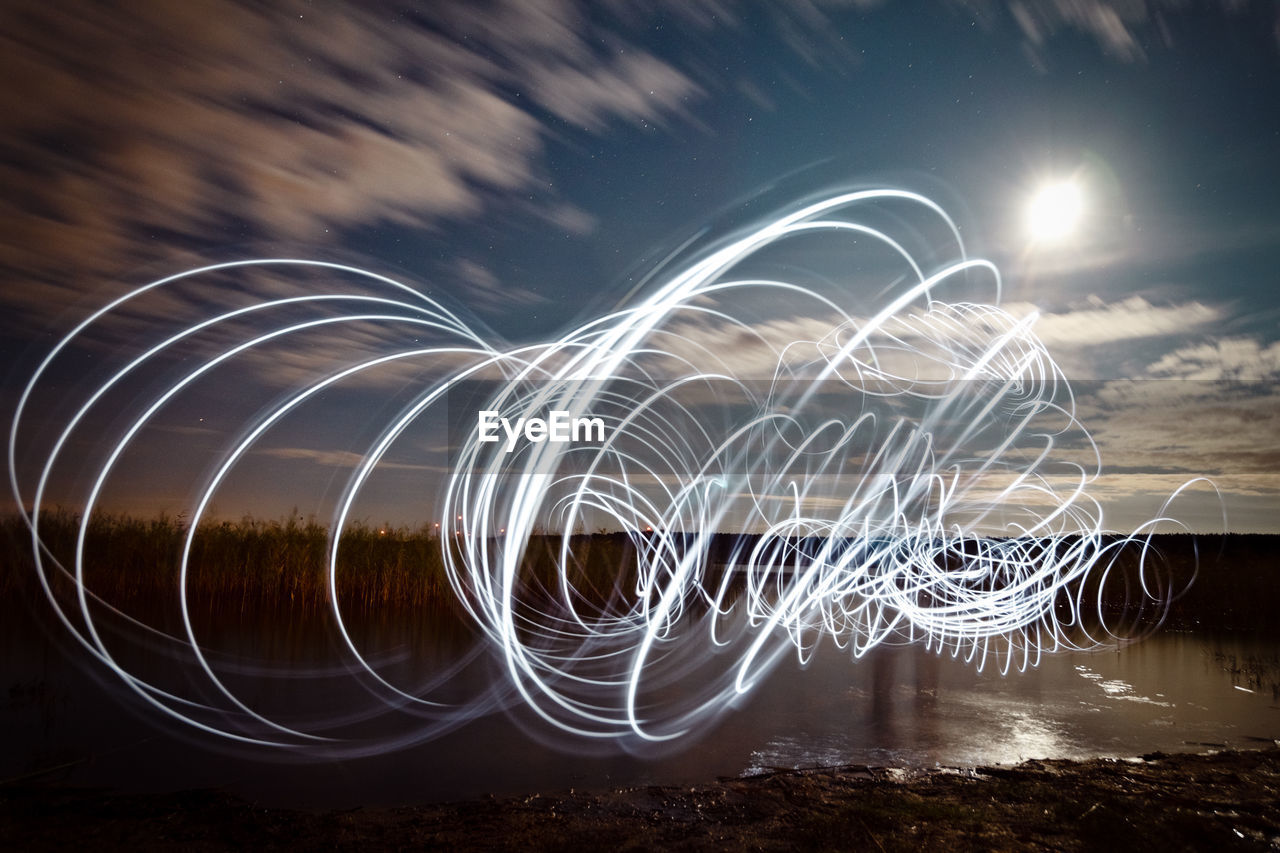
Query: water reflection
[920,710]
[1118,688]
[898,706]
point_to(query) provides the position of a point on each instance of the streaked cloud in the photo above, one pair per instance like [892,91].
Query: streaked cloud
[342,459]
[146,130]
[1233,358]
[480,288]
[1097,322]
[1154,432]
[1123,29]
[142,133]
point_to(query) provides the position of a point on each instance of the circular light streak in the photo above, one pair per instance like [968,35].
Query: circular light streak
[870,521]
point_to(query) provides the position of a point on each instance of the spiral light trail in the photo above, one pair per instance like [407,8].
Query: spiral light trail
[915,473]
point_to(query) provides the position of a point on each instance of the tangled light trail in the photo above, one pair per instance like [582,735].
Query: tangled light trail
[787,470]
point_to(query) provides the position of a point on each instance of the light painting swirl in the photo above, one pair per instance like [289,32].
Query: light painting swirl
[788,471]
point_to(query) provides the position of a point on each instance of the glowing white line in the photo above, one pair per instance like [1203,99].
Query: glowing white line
[897,556]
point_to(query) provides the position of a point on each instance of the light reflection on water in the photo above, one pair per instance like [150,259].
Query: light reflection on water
[898,706]
[1173,692]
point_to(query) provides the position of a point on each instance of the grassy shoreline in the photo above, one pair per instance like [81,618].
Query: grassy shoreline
[1227,800]
[1165,802]
[272,565]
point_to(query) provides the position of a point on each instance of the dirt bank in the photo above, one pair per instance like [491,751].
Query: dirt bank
[1227,800]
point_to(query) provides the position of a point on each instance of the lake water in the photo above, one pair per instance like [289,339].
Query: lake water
[68,724]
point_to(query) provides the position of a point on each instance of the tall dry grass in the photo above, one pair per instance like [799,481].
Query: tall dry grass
[251,564]
[263,565]
[245,564]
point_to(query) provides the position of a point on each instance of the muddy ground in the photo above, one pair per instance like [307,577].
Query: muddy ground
[1205,802]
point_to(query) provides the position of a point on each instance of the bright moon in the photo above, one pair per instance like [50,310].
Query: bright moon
[1054,212]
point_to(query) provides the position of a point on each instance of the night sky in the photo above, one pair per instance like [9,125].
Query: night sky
[528,162]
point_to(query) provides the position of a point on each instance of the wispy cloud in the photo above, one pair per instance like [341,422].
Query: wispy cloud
[1098,322]
[1225,430]
[1123,29]
[342,459]
[481,289]
[143,130]
[1234,358]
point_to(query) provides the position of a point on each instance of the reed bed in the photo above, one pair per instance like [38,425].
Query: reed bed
[246,564]
[252,564]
